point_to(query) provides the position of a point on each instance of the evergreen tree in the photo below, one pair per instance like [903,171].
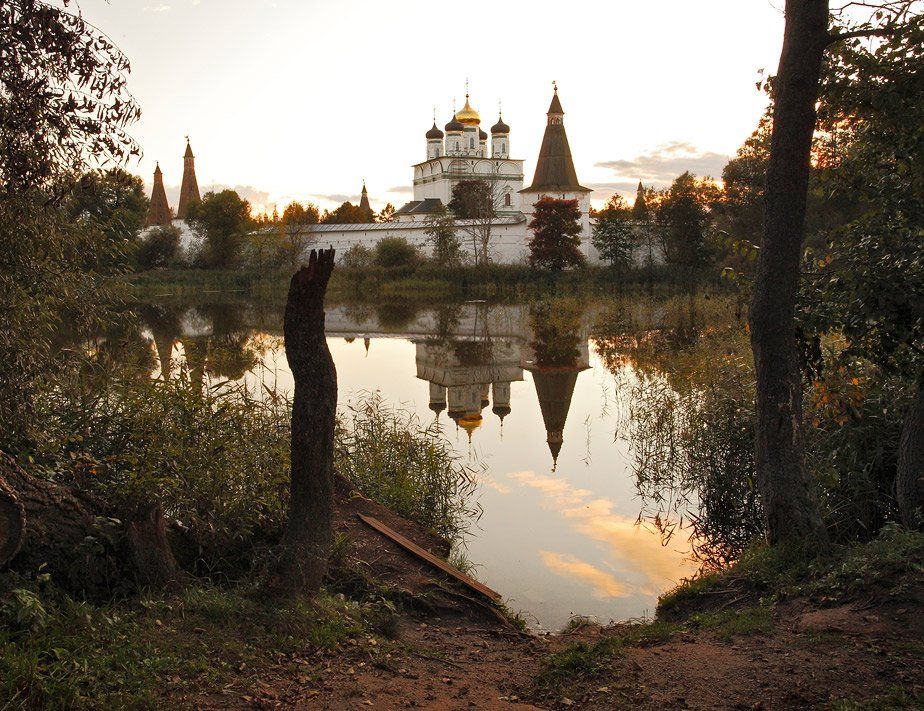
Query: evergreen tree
[640,210]
[441,233]
[556,229]
[613,233]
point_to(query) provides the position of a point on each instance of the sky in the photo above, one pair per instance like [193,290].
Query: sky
[305,99]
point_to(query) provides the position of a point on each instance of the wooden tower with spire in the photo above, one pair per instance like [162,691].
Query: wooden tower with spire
[159,211]
[189,190]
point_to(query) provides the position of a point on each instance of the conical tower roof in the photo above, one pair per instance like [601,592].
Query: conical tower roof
[159,211]
[554,387]
[189,190]
[364,199]
[555,168]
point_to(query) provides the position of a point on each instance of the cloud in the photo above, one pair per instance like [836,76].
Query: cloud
[603,584]
[337,197]
[639,552]
[400,190]
[157,8]
[659,167]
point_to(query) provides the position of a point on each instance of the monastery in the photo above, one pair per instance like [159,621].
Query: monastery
[460,151]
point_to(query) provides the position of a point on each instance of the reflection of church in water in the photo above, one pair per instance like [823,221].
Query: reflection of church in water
[469,376]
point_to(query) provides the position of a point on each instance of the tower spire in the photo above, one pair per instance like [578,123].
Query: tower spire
[159,211]
[189,190]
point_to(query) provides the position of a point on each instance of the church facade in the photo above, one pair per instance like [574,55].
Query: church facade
[463,150]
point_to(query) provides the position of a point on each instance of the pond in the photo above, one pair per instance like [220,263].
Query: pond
[523,393]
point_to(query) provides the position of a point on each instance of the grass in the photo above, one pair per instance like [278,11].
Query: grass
[580,660]
[421,281]
[786,572]
[74,655]
[895,699]
[727,624]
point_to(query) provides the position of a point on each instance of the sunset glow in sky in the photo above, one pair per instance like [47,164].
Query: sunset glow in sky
[287,99]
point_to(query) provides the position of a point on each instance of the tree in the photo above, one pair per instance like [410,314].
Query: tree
[441,234]
[614,235]
[159,248]
[394,252]
[641,215]
[867,286]
[113,201]
[556,227]
[294,232]
[475,202]
[790,504]
[221,220]
[386,214]
[347,214]
[307,541]
[64,109]
[683,220]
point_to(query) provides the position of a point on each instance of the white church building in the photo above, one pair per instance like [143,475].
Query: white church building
[461,151]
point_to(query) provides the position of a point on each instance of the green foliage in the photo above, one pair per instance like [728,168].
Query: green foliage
[294,237]
[65,100]
[728,624]
[392,252]
[359,256]
[684,220]
[894,700]
[885,563]
[132,655]
[614,234]
[215,457]
[575,662]
[160,247]
[347,213]
[221,221]
[555,242]
[441,233]
[410,468]
[472,200]
[113,201]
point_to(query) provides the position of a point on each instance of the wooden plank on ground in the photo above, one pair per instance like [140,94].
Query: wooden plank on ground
[429,557]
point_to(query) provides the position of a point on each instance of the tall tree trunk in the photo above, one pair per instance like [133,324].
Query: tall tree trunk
[909,481]
[790,504]
[307,539]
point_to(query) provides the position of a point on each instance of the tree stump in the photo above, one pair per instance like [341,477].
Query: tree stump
[53,526]
[307,539]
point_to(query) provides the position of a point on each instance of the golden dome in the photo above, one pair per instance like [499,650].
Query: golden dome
[470,422]
[468,115]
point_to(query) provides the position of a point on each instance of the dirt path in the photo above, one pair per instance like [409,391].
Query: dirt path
[451,653]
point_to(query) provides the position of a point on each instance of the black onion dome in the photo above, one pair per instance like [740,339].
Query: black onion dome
[482,135]
[455,125]
[500,126]
[434,132]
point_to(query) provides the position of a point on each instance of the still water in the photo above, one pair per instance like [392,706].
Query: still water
[523,394]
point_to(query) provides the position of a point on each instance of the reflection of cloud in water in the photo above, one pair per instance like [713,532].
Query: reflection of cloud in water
[638,550]
[557,490]
[568,566]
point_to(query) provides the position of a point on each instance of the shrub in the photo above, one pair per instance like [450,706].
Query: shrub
[359,256]
[395,252]
[410,468]
[160,247]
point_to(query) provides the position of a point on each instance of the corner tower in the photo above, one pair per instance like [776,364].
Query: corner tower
[555,174]
[159,211]
[189,190]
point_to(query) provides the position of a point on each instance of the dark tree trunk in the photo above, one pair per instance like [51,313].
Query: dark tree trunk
[909,481]
[47,524]
[307,539]
[789,501]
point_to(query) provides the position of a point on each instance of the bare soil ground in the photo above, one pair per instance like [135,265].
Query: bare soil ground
[452,651]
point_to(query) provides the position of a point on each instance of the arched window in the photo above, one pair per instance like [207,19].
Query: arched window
[457,145]
[471,142]
[503,146]
[507,200]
